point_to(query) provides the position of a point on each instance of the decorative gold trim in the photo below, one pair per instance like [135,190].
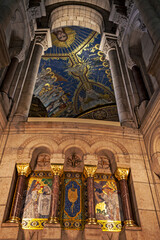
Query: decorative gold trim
[122,173]
[23,169]
[33,223]
[53,220]
[57,169]
[14,220]
[110,226]
[92,221]
[89,170]
[129,223]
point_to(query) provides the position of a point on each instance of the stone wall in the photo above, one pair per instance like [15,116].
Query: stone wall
[126,145]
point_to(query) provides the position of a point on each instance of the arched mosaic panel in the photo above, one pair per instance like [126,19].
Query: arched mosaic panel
[74,79]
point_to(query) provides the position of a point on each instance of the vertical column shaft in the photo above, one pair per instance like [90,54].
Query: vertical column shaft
[9,75]
[26,96]
[91,198]
[23,172]
[18,199]
[126,205]
[119,90]
[89,172]
[57,171]
[141,88]
[122,174]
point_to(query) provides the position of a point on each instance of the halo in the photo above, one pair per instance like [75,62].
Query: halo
[71,37]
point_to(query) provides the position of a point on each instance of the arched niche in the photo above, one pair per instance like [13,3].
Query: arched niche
[106,161]
[74,159]
[36,153]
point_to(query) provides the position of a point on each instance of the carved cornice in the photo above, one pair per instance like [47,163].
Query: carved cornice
[23,169]
[57,169]
[90,170]
[122,173]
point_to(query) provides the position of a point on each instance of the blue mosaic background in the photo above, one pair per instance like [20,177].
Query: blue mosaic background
[74,78]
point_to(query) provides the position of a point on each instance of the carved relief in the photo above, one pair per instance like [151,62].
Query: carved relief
[43,162]
[103,162]
[74,161]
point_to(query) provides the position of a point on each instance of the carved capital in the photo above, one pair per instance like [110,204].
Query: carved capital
[23,169]
[90,170]
[57,169]
[108,43]
[122,173]
[43,38]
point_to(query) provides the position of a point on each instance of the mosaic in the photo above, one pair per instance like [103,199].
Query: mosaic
[107,203]
[74,79]
[37,201]
[72,216]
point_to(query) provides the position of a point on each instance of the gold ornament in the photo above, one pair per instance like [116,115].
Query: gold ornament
[53,220]
[129,223]
[72,196]
[92,221]
[23,169]
[90,170]
[14,220]
[57,169]
[122,173]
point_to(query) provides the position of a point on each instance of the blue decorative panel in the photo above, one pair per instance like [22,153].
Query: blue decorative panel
[72,216]
[74,79]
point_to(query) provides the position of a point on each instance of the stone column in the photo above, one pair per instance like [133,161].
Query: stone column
[89,172]
[141,88]
[109,48]
[7,81]
[41,44]
[122,174]
[23,172]
[57,170]
[150,18]
[9,75]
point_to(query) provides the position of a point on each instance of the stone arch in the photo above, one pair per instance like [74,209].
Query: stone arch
[69,143]
[76,15]
[154,149]
[27,148]
[116,152]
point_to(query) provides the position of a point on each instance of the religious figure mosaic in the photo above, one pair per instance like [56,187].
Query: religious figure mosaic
[107,203]
[74,79]
[38,200]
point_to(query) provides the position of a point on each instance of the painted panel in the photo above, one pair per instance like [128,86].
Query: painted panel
[107,203]
[37,201]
